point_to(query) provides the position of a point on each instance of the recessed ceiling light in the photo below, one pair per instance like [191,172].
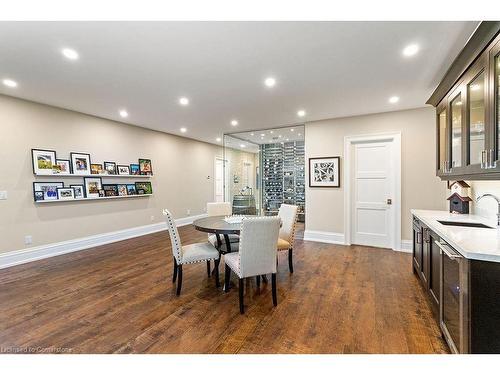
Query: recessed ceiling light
[218,139]
[270,82]
[183,101]
[70,53]
[123,113]
[394,99]
[262,135]
[410,50]
[475,87]
[280,136]
[183,130]
[287,139]
[271,132]
[252,134]
[292,130]
[234,122]
[301,113]
[9,82]
[299,134]
[242,145]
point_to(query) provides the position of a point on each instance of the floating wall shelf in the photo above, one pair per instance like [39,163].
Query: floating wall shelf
[93,199]
[95,175]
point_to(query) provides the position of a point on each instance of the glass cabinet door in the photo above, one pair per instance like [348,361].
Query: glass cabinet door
[443,126]
[476,118]
[497,101]
[456,131]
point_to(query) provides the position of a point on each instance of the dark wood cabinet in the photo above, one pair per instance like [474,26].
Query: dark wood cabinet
[467,113]
[417,247]
[434,271]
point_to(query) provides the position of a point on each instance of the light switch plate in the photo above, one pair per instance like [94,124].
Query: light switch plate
[3,195]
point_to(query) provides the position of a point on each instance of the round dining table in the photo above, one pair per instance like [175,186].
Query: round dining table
[218,226]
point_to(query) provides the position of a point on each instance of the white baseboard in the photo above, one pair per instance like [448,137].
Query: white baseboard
[406,246]
[14,258]
[325,237]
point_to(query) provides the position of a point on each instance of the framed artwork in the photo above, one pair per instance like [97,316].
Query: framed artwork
[110,167]
[122,190]
[38,196]
[92,186]
[101,193]
[110,190]
[96,169]
[145,167]
[134,169]
[123,169]
[80,163]
[131,189]
[63,166]
[79,191]
[65,193]
[145,187]
[49,189]
[43,161]
[324,172]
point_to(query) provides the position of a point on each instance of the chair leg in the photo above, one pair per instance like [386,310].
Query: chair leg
[208,268]
[257,279]
[290,260]
[216,269]
[275,297]
[242,307]
[175,271]
[179,280]
[227,278]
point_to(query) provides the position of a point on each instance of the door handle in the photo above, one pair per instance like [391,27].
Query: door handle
[389,201]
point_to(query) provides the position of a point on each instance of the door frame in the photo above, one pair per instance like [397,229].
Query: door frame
[225,171]
[349,142]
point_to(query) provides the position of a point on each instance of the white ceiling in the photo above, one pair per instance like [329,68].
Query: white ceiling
[330,69]
[250,141]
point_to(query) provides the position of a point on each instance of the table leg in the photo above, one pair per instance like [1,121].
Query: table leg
[228,250]
[219,246]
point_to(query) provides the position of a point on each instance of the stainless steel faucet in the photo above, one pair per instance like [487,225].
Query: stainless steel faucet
[498,203]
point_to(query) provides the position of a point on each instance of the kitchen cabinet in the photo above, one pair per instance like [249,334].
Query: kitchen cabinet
[468,114]
[417,247]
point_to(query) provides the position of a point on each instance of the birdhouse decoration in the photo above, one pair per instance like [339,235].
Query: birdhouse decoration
[459,197]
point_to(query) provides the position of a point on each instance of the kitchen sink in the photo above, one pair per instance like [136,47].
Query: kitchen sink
[463,224]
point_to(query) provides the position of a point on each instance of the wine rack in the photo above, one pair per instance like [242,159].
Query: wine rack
[283,176]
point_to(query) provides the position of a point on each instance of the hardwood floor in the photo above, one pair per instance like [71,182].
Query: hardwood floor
[119,298]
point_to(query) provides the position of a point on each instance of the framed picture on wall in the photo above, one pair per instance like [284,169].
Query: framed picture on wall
[110,167]
[79,191]
[131,189]
[80,163]
[145,187]
[43,161]
[38,196]
[134,169]
[123,169]
[63,166]
[92,186]
[110,190]
[145,167]
[49,190]
[122,190]
[96,169]
[65,193]
[324,172]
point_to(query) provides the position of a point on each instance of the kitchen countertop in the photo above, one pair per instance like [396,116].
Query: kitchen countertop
[472,243]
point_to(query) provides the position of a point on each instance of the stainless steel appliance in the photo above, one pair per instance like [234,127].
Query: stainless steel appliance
[454,309]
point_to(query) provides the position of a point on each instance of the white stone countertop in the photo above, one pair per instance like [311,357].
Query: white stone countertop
[472,243]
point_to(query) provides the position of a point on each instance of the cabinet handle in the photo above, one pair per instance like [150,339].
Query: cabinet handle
[492,163]
[419,239]
[483,159]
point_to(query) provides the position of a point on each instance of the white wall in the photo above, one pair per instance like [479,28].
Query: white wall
[420,186]
[183,174]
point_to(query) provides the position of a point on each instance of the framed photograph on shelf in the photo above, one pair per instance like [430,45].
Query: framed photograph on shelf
[65,193]
[145,167]
[43,161]
[144,186]
[110,190]
[122,190]
[101,193]
[79,191]
[131,189]
[38,196]
[63,166]
[110,167]
[92,186]
[324,172]
[123,170]
[134,169]
[80,163]
[96,169]
[49,189]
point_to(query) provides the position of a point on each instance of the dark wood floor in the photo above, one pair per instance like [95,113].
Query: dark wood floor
[120,298]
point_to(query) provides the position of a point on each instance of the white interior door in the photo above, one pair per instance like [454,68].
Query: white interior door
[373,178]
[219,180]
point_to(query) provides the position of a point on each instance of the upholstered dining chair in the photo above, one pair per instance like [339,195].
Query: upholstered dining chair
[222,209]
[194,253]
[256,255]
[288,215]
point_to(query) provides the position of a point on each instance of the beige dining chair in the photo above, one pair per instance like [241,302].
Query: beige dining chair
[288,215]
[194,253]
[256,255]
[222,209]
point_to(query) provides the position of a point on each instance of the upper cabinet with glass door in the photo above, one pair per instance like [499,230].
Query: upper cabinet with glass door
[468,113]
